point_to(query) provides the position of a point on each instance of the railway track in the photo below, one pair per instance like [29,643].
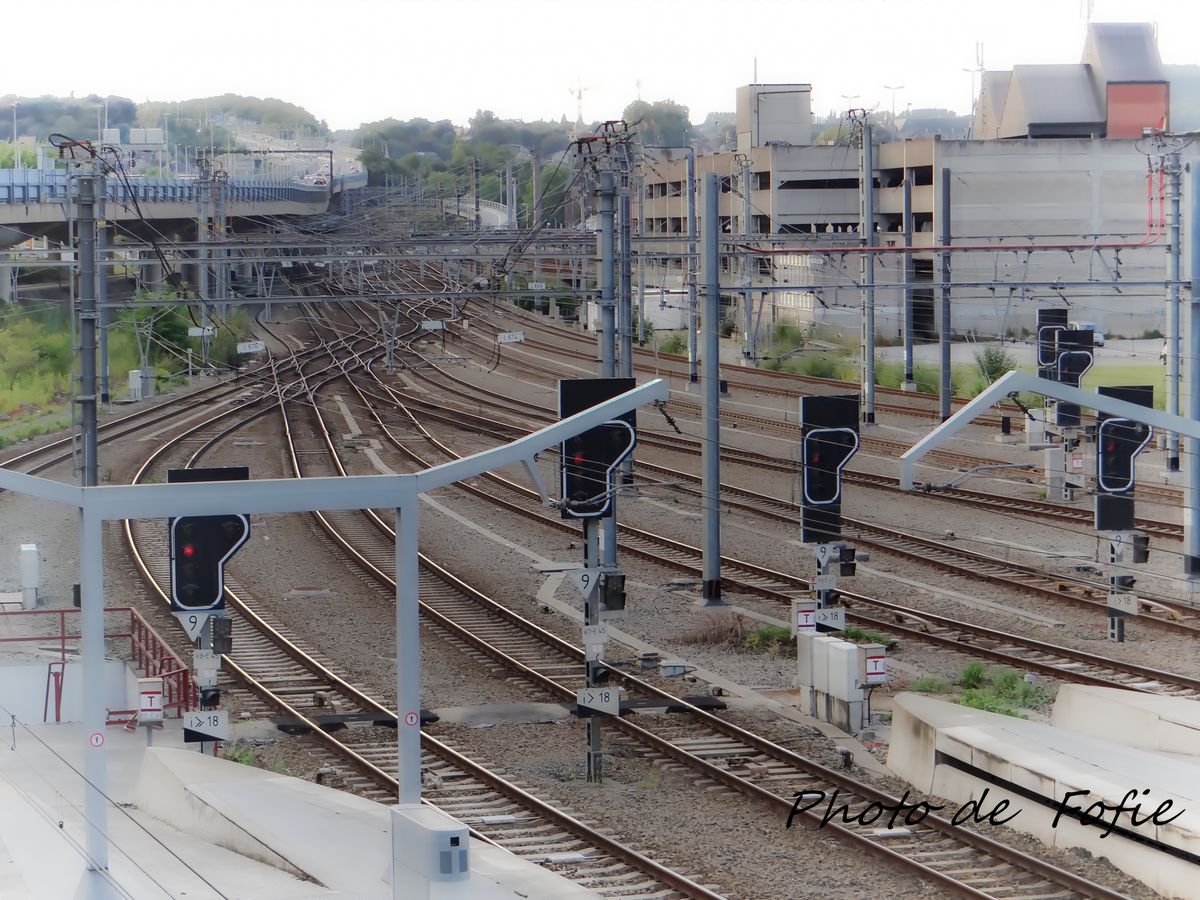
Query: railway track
[788,385]
[723,754]
[287,677]
[1171,613]
[947,458]
[991,644]
[725,749]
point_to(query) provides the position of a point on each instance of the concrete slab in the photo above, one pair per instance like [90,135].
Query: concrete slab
[957,753]
[338,839]
[1133,718]
[206,828]
[503,714]
[42,831]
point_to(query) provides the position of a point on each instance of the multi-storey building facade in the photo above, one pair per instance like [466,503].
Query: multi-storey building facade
[1061,220]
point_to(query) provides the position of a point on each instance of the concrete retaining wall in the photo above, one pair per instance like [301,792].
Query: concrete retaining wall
[1148,721]
[23,690]
[958,753]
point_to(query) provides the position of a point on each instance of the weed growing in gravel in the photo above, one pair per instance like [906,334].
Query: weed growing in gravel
[243,755]
[984,699]
[240,753]
[865,636]
[927,684]
[1003,691]
[770,638]
[972,675]
[1011,685]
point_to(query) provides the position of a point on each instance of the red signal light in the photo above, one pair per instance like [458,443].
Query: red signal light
[189,549]
[579,459]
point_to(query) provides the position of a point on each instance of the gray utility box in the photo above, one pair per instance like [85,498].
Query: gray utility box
[430,845]
[834,675]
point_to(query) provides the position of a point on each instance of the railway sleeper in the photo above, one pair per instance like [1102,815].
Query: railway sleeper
[571,845]
[534,837]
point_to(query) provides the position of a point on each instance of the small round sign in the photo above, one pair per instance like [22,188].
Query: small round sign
[96,739]
[411,719]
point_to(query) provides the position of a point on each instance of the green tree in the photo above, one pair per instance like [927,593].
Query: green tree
[994,362]
[18,351]
[554,195]
[663,123]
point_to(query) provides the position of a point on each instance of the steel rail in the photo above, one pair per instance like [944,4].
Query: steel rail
[725,776]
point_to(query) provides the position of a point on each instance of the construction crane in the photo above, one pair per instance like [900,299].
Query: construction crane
[577,93]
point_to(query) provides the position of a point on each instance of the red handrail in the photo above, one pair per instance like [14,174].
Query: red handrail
[148,652]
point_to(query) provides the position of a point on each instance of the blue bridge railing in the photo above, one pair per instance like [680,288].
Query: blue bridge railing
[30,186]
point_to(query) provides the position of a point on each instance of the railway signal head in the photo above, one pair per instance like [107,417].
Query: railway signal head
[200,547]
[1072,364]
[1047,339]
[589,461]
[847,565]
[1118,442]
[826,452]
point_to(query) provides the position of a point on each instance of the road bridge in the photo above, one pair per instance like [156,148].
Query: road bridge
[37,202]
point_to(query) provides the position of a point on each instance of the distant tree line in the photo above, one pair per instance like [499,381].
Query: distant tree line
[440,156]
[187,122]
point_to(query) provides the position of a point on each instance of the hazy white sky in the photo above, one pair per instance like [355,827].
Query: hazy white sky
[353,61]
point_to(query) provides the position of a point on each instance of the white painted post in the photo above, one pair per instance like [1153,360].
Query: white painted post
[408,657]
[29,576]
[95,766]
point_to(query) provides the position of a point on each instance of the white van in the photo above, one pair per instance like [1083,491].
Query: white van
[1097,334]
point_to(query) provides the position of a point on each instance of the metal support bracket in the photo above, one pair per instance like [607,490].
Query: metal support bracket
[1023,381]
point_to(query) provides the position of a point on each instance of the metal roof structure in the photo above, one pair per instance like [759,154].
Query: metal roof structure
[1052,101]
[1072,100]
[1122,53]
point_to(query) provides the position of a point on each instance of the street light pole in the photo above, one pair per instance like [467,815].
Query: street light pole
[899,87]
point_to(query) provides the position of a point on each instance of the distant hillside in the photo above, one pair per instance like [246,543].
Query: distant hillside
[186,121]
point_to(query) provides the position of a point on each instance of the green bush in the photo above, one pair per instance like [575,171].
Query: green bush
[984,699]
[995,361]
[972,674]
[889,374]
[674,345]
[647,329]
[767,638]
[927,684]
[815,367]
[789,337]
[865,636]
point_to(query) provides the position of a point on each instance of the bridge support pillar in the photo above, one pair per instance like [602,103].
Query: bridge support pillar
[152,271]
[8,272]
